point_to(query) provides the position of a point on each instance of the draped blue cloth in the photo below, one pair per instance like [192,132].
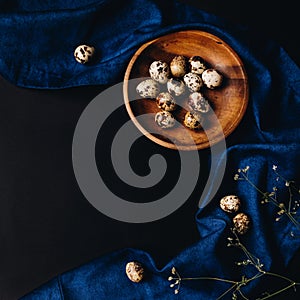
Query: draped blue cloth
[39,39]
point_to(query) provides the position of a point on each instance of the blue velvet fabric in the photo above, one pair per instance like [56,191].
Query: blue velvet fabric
[268,135]
[40,37]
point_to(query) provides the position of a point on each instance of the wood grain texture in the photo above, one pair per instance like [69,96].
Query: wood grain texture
[229,101]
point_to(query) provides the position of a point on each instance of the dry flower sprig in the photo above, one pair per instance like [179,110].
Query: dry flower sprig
[237,286]
[177,279]
[288,209]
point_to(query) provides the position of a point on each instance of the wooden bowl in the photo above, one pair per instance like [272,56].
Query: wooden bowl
[229,101]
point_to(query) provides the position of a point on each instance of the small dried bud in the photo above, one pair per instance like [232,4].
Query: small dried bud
[236,177]
[246,169]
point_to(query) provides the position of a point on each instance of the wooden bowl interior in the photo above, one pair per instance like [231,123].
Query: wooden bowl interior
[229,101]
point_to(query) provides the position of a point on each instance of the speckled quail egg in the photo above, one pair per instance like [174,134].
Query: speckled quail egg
[212,78]
[84,53]
[193,120]
[179,66]
[148,88]
[166,101]
[175,86]
[197,64]
[230,203]
[159,71]
[164,119]
[198,102]
[241,223]
[134,271]
[193,81]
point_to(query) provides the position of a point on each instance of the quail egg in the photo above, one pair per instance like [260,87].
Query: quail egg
[197,64]
[175,86]
[166,101]
[241,223]
[159,71]
[230,203]
[198,102]
[212,78]
[134,271]
[164,119]
[84,53]
[193,81]
[193,120]
[148,88]
[179,66]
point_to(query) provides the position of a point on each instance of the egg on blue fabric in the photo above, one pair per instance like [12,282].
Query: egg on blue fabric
[241,223]
[134,271]
[159,71]
[230,203]
[84,54]
[148,88]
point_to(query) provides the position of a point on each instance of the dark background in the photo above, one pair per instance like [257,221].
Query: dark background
[276,20]
[46,225]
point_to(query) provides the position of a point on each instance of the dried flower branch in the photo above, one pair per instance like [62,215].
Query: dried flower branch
[237,286]
[288,209]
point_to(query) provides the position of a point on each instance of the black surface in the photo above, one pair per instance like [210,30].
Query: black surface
[46,224]
[275,20]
